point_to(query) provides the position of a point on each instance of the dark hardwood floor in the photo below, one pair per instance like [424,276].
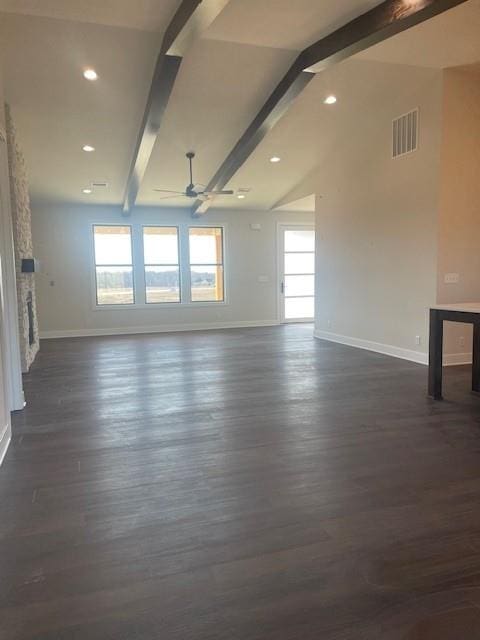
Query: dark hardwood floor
[248,484]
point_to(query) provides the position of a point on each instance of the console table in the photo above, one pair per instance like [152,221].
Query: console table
[468,312]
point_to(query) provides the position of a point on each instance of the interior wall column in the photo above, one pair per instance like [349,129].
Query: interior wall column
[16,398]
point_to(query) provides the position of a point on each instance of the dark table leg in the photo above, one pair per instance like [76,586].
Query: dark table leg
[435,362]
[476,358]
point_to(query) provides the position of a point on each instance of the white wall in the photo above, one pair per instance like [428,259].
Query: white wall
[63,243]
[459,211]
[376,218]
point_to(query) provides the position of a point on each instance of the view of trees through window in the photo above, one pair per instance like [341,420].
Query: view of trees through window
[113,264]
[206,264]
[162,267]
[163,271]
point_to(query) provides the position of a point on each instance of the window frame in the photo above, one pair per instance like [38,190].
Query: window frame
[218,264]
[127,305]
[139,284]
[178,265]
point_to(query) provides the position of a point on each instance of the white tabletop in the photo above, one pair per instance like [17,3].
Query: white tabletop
[470,307]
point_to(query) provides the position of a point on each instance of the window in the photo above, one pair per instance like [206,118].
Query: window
[113,265]
[206,264]
[162,268]
[140,266]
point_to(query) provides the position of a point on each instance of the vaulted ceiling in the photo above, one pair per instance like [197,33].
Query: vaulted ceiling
[225,77]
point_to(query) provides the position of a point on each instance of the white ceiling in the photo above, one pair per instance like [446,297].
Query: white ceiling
[57,111]
[302,204]
[284,24]
[451,39]
[148,15]
[225,77]
[214,98]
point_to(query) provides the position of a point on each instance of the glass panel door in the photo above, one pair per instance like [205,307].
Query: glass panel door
[297,277]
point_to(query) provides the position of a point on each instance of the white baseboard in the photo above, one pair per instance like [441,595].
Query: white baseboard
[386,349]
[449,359]
[455,359]
[170,328]
[5,441]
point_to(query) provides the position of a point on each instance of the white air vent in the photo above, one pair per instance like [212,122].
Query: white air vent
[405,134]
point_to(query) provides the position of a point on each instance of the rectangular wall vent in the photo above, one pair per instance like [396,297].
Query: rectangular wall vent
[405,134]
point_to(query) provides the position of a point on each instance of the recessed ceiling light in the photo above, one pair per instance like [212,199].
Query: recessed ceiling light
[241,196]
[90,74]
[87,190]
[275,159]
[88,148]
[330,100]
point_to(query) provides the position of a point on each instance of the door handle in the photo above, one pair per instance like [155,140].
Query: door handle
[282,287]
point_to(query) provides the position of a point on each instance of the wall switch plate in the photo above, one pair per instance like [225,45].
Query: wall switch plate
[418,340]
[255,226]
[461,341]
[452,278]
[263,278]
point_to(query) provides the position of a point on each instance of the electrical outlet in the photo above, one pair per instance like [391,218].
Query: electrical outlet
[461,341]
[452,278]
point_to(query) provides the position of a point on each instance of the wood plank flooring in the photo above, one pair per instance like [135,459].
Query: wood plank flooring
[250,484]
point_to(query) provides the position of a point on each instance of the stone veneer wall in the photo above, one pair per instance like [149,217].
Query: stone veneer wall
[22,236]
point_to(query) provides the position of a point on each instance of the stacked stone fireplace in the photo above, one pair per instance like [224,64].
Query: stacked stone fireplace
[22,238]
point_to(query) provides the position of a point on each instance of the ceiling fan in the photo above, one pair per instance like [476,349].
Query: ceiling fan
[193,190]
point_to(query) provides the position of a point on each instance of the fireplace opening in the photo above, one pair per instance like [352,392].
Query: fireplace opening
[31,337]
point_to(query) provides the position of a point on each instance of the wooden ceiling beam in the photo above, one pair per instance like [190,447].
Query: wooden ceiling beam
[291,85]
[190,20]
[380,23]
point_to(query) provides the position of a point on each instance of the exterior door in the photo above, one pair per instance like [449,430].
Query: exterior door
[297,273]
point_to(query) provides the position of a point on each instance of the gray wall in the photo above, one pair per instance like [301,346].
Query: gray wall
[376,218]
[63,242]
[459,219]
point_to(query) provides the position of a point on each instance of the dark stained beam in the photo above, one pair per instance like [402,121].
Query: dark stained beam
[378,24]
[191,19]
[161,88]
[291,85]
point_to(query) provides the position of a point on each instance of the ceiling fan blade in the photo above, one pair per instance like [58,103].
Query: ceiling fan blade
[227,192]
[180,193]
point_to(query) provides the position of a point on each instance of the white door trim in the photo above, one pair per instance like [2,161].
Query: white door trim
[5,438]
